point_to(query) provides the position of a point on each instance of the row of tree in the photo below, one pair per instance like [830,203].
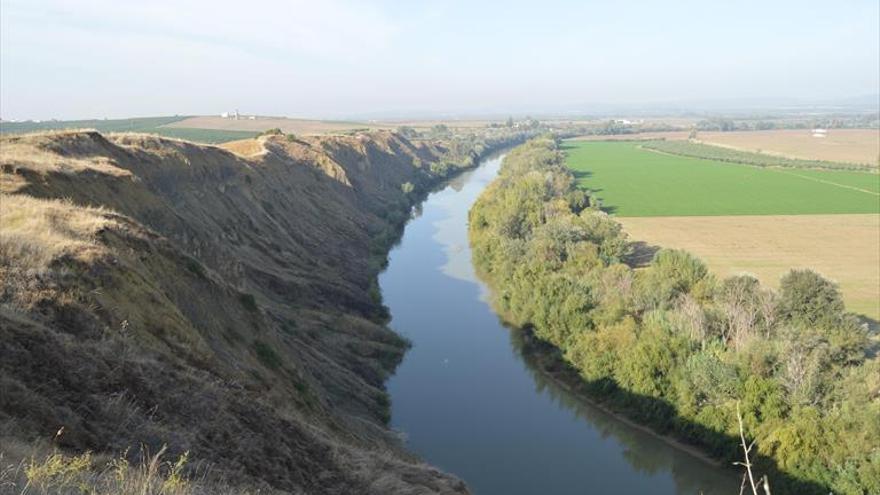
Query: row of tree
[710,152]
[675,347]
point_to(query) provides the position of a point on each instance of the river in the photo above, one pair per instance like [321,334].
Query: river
[467,400]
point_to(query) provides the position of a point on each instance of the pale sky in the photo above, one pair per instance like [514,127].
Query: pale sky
[339,58]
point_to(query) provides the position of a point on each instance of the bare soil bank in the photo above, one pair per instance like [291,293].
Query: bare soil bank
[158,292]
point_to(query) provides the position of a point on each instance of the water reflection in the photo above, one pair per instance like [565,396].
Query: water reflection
[470,400]
[645,453]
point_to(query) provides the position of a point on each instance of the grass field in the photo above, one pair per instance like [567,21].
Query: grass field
[149,125]
[138,124]
[843,248]
[632,181]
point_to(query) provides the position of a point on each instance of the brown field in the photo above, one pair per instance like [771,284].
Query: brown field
[311,127]
[841,145]
[843,248]
[290,126]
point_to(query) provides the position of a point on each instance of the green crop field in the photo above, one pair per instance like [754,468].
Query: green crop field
[210,136]
[137,124]
[636,182]
[146,125]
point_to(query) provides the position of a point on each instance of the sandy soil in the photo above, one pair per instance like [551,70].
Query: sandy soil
[844,248]
[840,145]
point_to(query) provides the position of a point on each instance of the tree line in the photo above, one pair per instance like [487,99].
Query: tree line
[709,152]
[675,347]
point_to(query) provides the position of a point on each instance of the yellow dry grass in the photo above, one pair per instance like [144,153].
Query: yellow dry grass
[245,147]
[843,248]
[840,145]
[33,151]
[33,232]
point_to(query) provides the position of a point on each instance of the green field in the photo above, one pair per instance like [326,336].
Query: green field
[147,125]
[634,182]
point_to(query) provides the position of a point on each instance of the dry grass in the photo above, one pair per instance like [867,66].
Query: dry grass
[245,147]
[34,152]
[841,145]
[844,248]
[45,471]
[33,231]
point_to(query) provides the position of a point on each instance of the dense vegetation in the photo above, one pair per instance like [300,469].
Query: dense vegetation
[147,125]
[699,150]
[635,182]
[672,346]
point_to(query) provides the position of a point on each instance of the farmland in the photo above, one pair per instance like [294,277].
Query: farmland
[727,154]
[743,219]
[312,127]
[632,181]
[844,248]
[163,126]
[840,145]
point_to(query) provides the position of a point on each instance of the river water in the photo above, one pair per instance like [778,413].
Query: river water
[467,400]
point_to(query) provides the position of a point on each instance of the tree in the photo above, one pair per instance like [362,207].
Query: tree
[808,299]
[740,299]
[407,131]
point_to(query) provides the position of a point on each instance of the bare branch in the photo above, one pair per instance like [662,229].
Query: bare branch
[746,449]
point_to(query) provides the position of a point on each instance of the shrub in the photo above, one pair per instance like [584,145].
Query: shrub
[807,298]
[248,301]
[267,355]
[275,131]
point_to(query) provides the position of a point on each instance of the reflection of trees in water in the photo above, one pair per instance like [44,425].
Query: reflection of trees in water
[417,211]
[459,181]
[643,451]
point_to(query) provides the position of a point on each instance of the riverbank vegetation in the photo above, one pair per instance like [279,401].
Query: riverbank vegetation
[674,347]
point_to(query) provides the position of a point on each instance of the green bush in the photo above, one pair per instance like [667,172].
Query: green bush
[267,355]
[248,301]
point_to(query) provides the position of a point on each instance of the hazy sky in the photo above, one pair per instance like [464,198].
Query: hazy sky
[117,58]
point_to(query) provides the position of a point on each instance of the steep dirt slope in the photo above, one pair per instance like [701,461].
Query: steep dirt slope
[158,292]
